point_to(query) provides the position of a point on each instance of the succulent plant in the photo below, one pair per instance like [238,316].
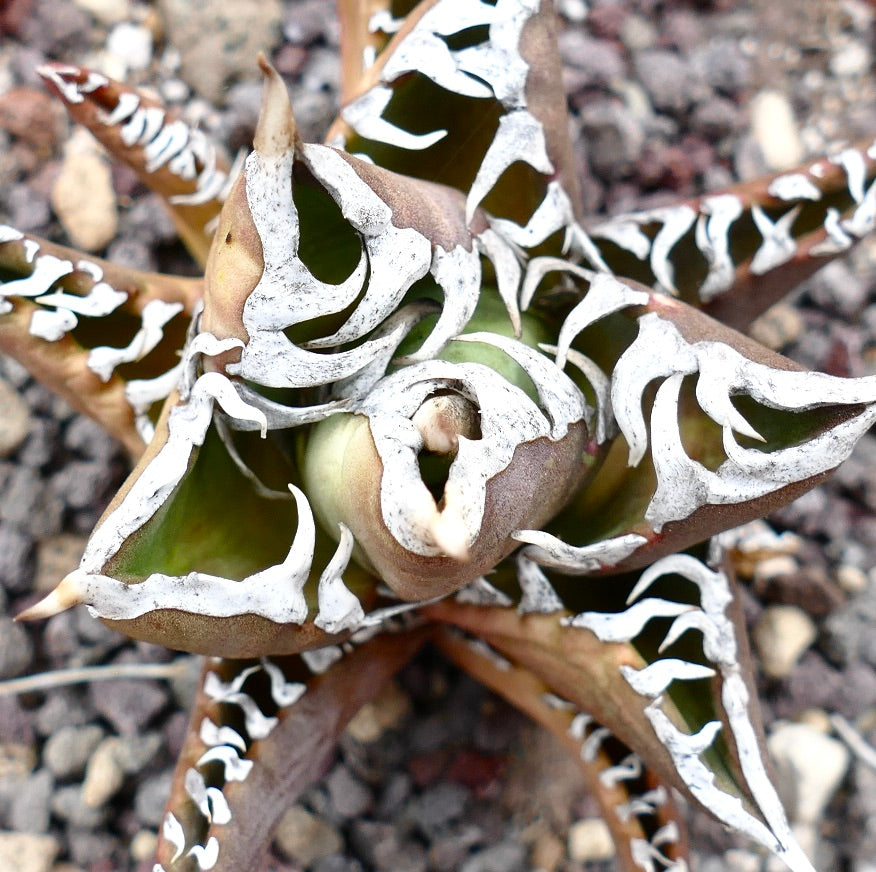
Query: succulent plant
[419,398]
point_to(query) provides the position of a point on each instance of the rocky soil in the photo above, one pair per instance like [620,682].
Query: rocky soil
[670,98]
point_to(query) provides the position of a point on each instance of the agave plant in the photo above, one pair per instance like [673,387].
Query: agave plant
[419,397]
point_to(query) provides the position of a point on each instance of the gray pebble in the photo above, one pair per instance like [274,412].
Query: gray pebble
[722,65]
[16,557]
[437,807]
[349,796]
[672,84]
[16,649]
[64,706]
[614,136]
[151,798]
[504,857]
[128,705]
[67,804]
[80,482]
[590,61]
[87,847]
[29,810]
[39,447]
[67,751]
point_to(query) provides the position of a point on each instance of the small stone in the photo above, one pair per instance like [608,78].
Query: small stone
[672,84]
[30,810]
[853,59]
[67,752]
[104,774]
[218,42]
[547,852]
[774,129]
[809,767]
[143,846]
[27,852]
[385,712]
[151,798]
[128,704]
[437,806]
[31,115]
[16,560]
[68,805]
[781,635]
[349,796]
[83,197]
[16,649]
[851,579]
[778,327]
[15,421]
[303,838]
[56,557]
[590,840]
[17,760]
[132,43]
[504,857]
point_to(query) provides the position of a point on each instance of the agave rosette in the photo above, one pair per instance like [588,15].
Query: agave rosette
[417,383]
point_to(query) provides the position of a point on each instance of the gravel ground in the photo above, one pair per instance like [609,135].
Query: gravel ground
[670,99]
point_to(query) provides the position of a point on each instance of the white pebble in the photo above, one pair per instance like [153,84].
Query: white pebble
[590,839]
[781,635]
[809,768]
[774,129]
[132,43]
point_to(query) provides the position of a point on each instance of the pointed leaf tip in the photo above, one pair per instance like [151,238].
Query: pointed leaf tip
[67,594]
[276,131]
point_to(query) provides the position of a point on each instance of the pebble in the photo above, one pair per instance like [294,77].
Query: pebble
[303,837]
[781,636]
[436,807]
[16,420]
[385,712]
[852,59]
[27,852]
[809,767]
[504,857]
[132,44]
[217,41]
[775,130]
[69,805]
[547,852]
[672,84]
[851,579]
[16,649]
[29,810]
[143,846]
[16,556]
[113,759]
[17,759]
[56,557]
[67,751]
[778,327]
[128,704]
[151,798]
[590,840]
[349,796]
[83,197]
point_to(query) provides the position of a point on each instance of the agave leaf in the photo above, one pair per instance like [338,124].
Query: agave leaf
[737,251]
[689,474]
[469,95]
[175,160]
[642,816]
[58,305]
[691,714]
[262,732]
